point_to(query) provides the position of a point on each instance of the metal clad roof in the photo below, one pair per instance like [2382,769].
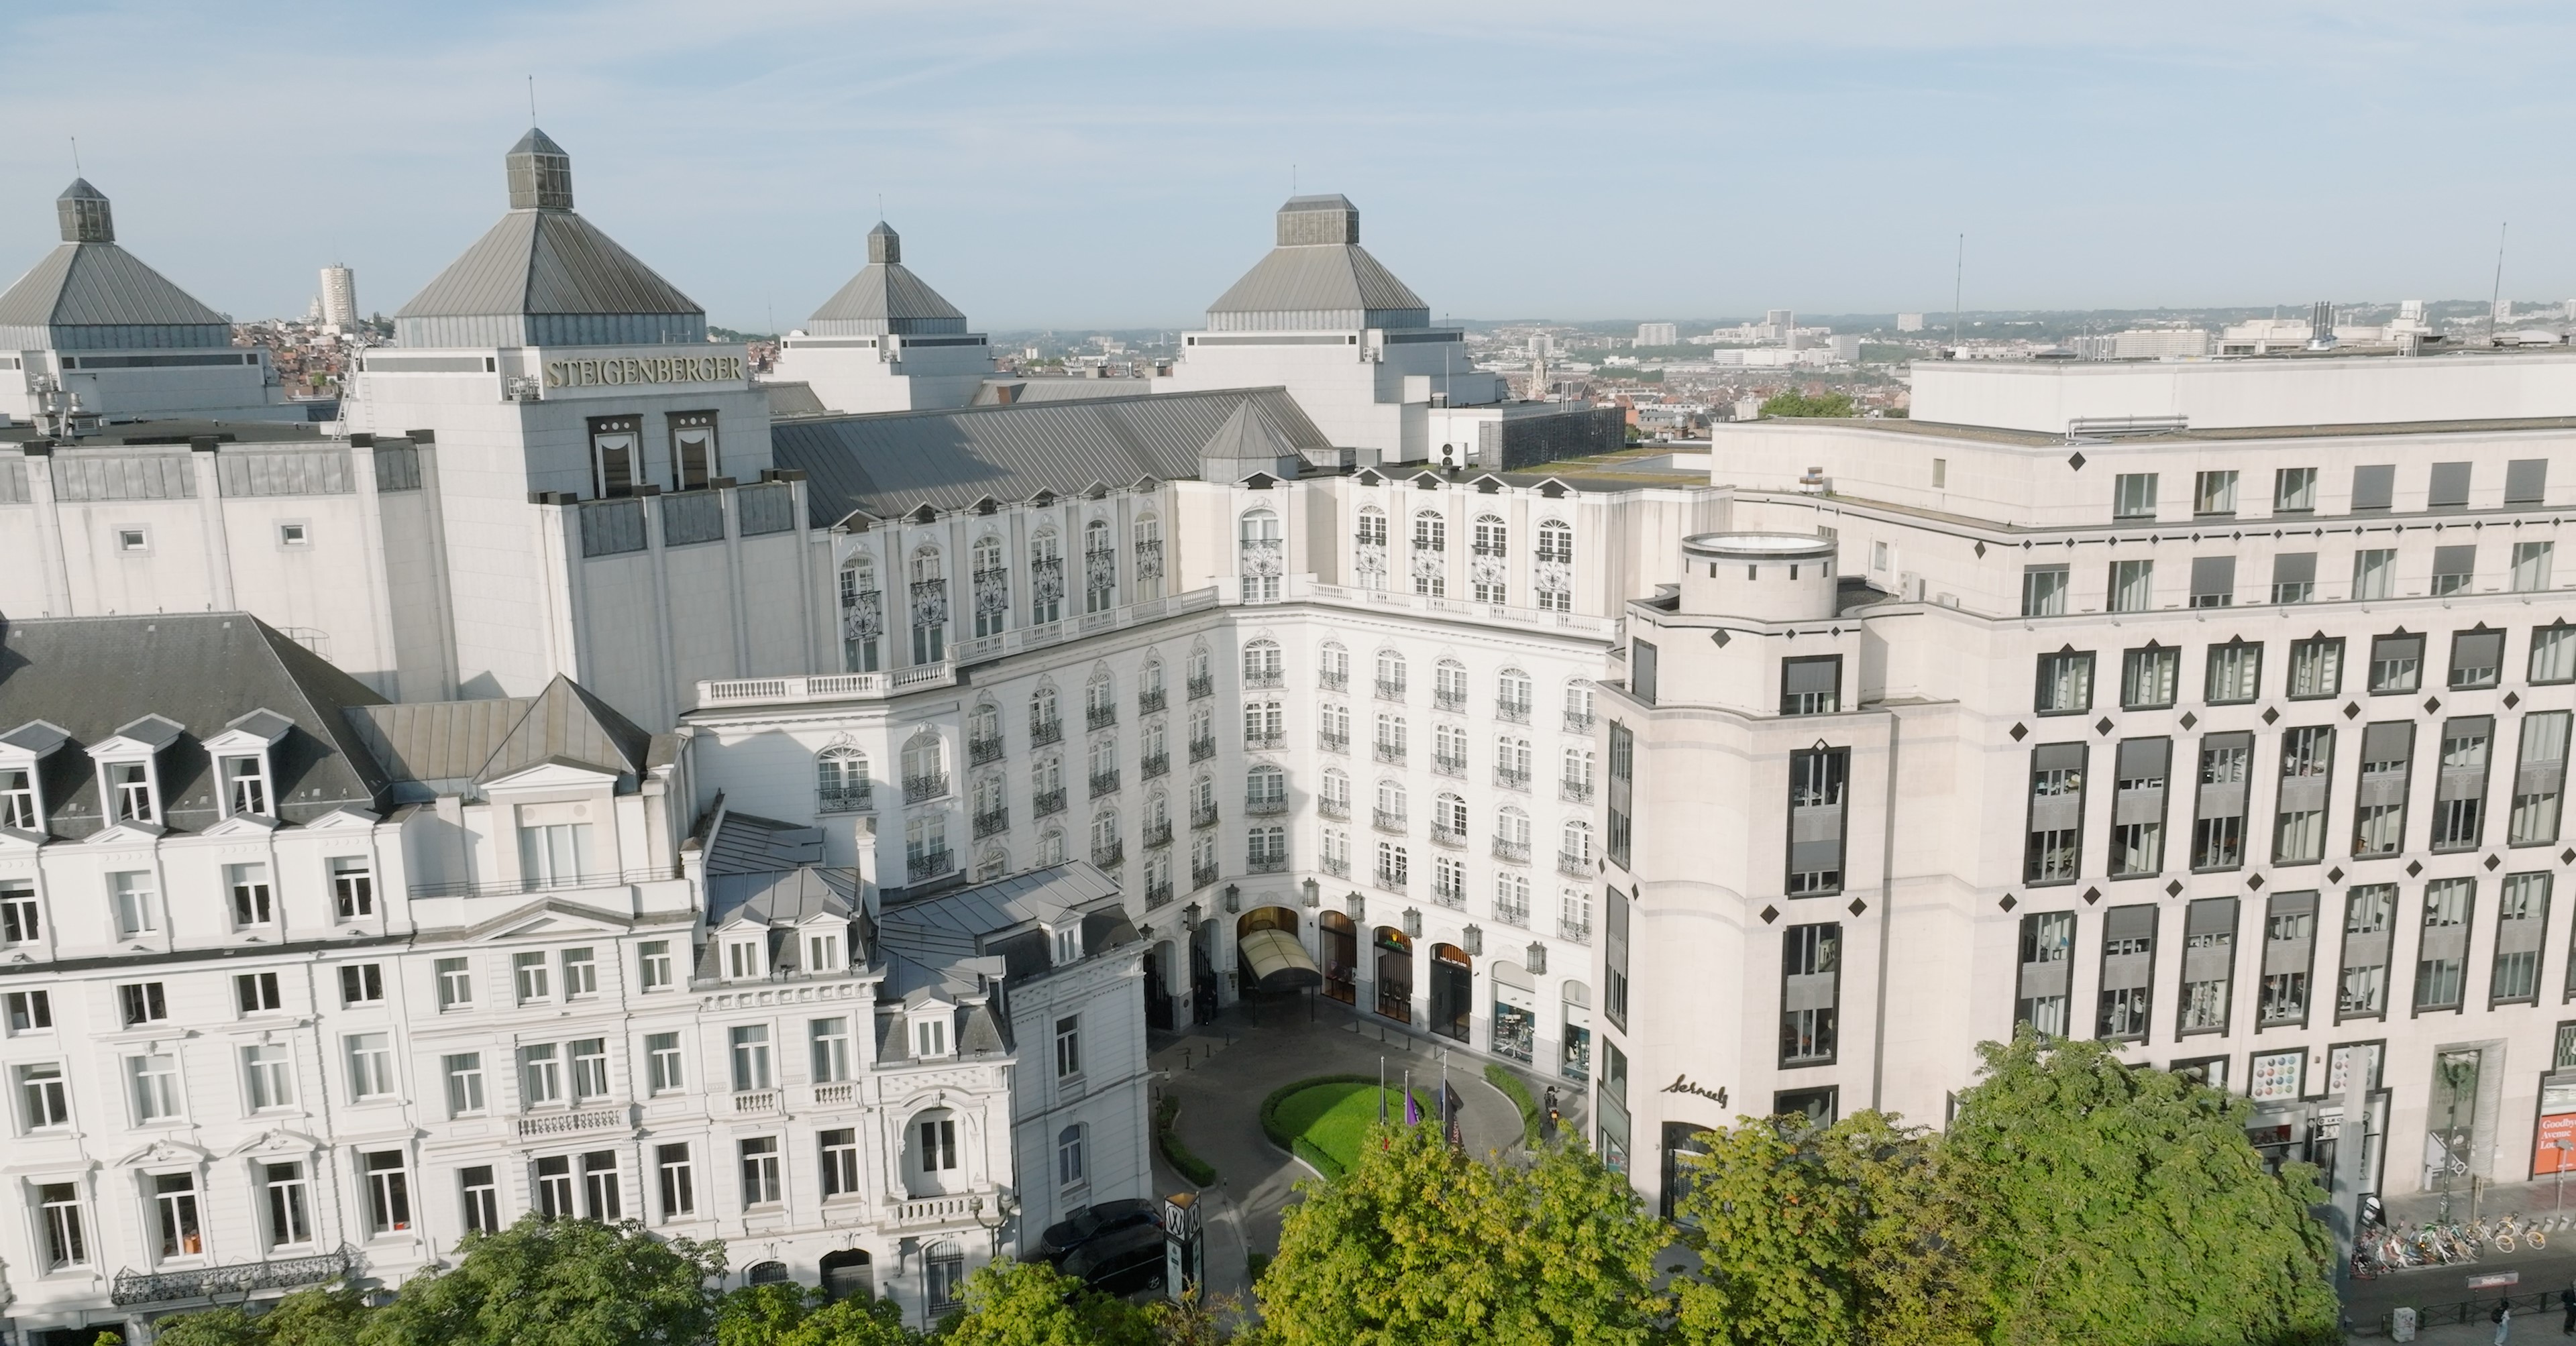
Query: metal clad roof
[99,285]
[889,464]
[1313,278]
[448,743]
[546,262]
[746,843]
[886,297]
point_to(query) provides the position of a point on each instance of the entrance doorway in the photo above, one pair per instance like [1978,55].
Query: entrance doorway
[1453,991]
[1270,960]
[1339,942]
[1158,990]
[1394,973]
[849,1274]
[1203,993]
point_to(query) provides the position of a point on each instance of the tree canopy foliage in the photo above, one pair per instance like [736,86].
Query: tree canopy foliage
[1795,403]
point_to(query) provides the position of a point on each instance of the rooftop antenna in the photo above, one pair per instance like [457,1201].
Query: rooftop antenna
[76,168]
[532,100]
[1958,283]
[2497,297]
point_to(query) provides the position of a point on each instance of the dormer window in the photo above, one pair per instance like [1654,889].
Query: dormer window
[130,785]
[18,800]
[246,785]
[823,952]
[745,958]
[1068,945]
[930,1037]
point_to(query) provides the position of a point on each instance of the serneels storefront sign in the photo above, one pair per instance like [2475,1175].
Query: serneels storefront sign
[1682,1085]
[644,369]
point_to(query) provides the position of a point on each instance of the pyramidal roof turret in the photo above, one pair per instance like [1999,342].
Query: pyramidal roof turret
[1317,277]
[885,297]
[545,276]
[91,294]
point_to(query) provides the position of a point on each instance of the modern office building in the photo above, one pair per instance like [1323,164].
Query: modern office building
[2220,711]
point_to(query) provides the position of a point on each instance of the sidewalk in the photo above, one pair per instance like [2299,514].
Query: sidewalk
[2541,1273]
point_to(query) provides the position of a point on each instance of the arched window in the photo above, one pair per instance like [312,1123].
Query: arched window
[1100,700]
[1512,696]
[992,864]
[1574,848]
[943,1269]
[1335,801]
[1512,835]
[1390,804]
[1449,819]
[1261,664]
[1099,568]
[929,606]
[1430,531]
[1390,675]
[1051,847]
[1046,576]
[1046,725]
[1369,558]
[992,588]
[984,734]
[925,767]
[1106,851]
[992,806]
[1265,790]
[765,1273]
[1430,553]
[1158,818]
[1068,1156]
[1489,570]
[1202,672]
[1262,560]
[1449,685]
[1148,532]
[1553,577]
[1555,541]
[862,614]
[840,780]
[1149,687]
[1493,537]
[1511,897]
[1578,706]
[1333,667]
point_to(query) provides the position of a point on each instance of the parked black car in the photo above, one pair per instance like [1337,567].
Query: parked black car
[1120,1263]
[1090,1222]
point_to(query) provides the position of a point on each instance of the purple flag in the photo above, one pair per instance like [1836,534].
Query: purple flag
[1412,1110]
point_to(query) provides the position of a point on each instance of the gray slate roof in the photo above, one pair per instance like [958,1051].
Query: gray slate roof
[886,465]
[103,285]
[929,943]
[541,265]
[1318,276]
[93,676]
[885,297]
[451,746]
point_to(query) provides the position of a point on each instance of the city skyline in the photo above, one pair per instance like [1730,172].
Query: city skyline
[1054,173]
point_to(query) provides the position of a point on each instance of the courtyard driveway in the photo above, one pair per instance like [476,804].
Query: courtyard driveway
[1221,1072]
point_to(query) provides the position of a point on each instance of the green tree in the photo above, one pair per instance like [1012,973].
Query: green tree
[322,1316]
[2117,1205]
[559,1283]
[1813,1236]
[1795,403]
[786,1314]
[1033,1304]
[1421,1245]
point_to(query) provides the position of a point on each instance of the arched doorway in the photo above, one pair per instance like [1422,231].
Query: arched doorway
[1515,1022]
[1394,973]
[849,1274]
[1158,987]
[1338,940]
[1453,991]
[1270,960]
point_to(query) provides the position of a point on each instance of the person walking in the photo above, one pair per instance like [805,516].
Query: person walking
[2567,1301]
[2503,1319]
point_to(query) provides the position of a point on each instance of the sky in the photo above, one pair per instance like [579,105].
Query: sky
[1116,165]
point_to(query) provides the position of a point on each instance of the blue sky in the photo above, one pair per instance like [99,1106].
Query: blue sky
[1115,165]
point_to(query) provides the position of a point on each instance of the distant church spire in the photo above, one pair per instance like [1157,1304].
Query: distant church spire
[540,173]
[84,214]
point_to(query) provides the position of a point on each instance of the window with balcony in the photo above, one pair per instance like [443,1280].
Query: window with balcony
[841,781]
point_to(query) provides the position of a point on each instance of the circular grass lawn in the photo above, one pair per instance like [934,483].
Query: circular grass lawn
[1324,1121]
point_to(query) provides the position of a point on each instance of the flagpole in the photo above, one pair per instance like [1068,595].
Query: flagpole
[1381,1091]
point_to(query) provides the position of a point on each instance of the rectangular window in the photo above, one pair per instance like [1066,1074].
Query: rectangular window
[2128,973]
[290,1204]
[554,1186]
[2054,848]
[1068,1047]
[1816,779]
[694,457]
[252,903]
[839,1150]
[2294,490]
[1810,982]
[828,1041]
[616,448]
[362,984]
[2065,683]
[388,1192]
[653,967]
[540,1075]
[2442,957]
[677,1179]
[2522,915]
[2133,495]
[580,973]
[2453,569]
[18,800]
[2553,654]
[2477,659]
[480,1197]
[43,1099]
[2374,574]
[464,1072]
[141,1002]
[2235,673]
[29,1011]
[2447,487]
[2396,664]
[2294,577]
[2208,964]
[2531,565]
[20,920]
[256,992]
[371,1065]
[761,1180]
[2043,590]
[1811,686]
[2379,806]
[1614,958]
[2316,668]
[2374,487]
[2138,810]
[174,1207]
[2213,493]
[750,1043]
[534,979]
[2133,586]
[1620,815]
[589,1069]
[66,1231]
[599,1194]
[662,1062]
[268,1072]
[2148,678]
[2526,481]
[2213,581]
[2218,813]
[2289,952]
[2460,796]
[2047,951]
[353,887]
[2539,779]
[455,984]
[938,1152]
[2307,772]
[2368,922]
[1641,670]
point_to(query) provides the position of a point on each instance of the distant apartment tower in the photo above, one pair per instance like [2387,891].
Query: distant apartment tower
[1659,334]
[339,296]
[1909,322]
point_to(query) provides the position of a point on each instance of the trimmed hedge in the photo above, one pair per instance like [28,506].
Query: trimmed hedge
[1314,1154]
[1308,1150]
[1519,1094]
[1190,1166]
[1270,1106]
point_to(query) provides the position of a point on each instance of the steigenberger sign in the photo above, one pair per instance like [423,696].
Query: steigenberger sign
[644,370]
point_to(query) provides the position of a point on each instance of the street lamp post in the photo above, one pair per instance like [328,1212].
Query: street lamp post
[1003,1209]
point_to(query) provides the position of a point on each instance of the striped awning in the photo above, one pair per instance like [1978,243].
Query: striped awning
[1278,961]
